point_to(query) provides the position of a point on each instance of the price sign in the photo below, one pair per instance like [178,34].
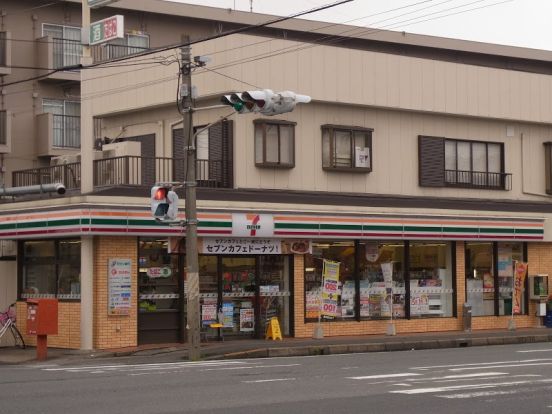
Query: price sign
[107,29]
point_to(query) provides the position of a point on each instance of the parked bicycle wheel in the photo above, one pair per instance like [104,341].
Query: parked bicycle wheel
[17,337]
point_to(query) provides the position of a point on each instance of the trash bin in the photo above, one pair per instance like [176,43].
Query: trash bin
[467,317]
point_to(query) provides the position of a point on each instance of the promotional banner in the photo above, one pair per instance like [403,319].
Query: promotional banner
[119,281]
[387,304]
[330,288]
[520,271]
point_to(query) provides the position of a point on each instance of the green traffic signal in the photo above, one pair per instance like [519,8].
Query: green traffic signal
[238,106]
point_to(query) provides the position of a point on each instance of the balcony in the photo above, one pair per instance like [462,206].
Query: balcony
[107,51]
[58,134]
[481,180]
[5,53]
[54,53]
[128,171]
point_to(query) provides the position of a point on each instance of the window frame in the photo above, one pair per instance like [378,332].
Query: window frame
[548,166]
[331,130]
[263,123]
[470,173]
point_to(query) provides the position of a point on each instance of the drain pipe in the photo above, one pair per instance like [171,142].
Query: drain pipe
[58,188]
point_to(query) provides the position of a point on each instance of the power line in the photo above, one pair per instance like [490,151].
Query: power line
[162,49]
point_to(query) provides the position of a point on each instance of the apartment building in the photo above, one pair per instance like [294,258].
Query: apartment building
[431,154]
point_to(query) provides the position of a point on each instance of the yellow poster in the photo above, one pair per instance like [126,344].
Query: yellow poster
[330,289]
[519,279]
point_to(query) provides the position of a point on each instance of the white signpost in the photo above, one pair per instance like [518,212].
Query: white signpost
[107,29]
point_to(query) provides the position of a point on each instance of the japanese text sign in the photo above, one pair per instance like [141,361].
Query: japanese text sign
[119,276]
[213,245]
[107,29]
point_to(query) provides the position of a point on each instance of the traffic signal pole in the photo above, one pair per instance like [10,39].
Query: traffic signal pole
[191,324]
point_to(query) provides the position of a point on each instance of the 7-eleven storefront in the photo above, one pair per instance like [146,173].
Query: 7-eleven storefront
[125,273]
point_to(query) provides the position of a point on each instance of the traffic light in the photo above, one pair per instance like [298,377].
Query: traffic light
[164,203]
[265,102]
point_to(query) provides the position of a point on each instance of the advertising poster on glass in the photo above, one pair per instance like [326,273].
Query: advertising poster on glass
[228,314]
[247,319]
[119,286]
[330,289]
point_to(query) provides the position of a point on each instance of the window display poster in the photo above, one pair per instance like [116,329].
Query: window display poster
[228,314]
[119,286]
[371,251]
[419,304]
[209,311]
[247,318]
[387,270]
[330,289]
[505,265]
[312,304]
[488,286]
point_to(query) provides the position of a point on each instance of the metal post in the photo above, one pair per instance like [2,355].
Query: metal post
[192,266]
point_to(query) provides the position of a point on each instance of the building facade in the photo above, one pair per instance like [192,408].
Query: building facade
[428,153]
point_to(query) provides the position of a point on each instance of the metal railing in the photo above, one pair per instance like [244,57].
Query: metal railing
[101,53]
[68,174]
[477,179]
[66,52]
[66,133]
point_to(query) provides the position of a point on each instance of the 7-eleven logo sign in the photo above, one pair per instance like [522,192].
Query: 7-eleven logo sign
[252,225]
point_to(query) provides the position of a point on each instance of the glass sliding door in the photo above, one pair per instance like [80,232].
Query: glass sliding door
[274,292]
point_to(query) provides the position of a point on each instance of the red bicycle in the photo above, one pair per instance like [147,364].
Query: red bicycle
[7,324]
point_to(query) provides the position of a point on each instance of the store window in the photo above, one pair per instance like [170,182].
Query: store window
[346,148]
[338,251]
[50,268]
[374,300]
[431,279]
[489,277]
[274,143]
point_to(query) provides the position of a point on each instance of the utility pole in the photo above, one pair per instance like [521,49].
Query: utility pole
[192,265]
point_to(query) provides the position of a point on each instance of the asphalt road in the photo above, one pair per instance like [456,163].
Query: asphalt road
[498,379]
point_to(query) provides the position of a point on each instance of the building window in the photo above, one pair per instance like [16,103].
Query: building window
[66,43]
[274,144]
[346,148]
[490,275]
[3,127]
[548,166]
[131,44]
[50,268]
[3,49]
[66,122]
[460,163]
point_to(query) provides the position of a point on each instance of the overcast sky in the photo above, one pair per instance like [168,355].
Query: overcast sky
[525,23]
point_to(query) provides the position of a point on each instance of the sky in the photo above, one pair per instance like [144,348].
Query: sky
[524,23]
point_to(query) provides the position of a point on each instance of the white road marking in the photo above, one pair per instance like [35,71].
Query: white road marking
[502,366]
[404,374]
[250,367]
[482,364]
[455,377]
[270,380]
[468,386]
[146,366]
[478,394]
[535,350]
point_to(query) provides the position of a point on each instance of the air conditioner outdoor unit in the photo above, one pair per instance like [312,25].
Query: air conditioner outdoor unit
[121,163]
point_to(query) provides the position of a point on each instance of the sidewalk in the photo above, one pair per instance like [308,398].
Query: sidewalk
[257,348]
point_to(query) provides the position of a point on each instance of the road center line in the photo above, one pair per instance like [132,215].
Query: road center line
[502,366]
[270,380]
[483,364]
[404,374]
[250,367]
[535,350]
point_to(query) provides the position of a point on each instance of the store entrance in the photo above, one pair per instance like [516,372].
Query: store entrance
[239,281]
[244,293]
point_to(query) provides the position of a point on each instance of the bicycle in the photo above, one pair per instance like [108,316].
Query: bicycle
[7,323]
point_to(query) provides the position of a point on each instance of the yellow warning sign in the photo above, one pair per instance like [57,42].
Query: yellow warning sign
[273,329]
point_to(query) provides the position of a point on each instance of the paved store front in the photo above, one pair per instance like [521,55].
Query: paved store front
[254,267]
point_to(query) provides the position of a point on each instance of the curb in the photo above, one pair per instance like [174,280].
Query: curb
[312,350]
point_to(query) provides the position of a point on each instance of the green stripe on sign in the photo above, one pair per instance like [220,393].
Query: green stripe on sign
[529,231]
[340,226]
[110,222]
[33,224]
[495,230]
[384,228]
[226,224]
[85,221]
[8,226]
[460,230]
[295,226]
[422,229]
[68,222]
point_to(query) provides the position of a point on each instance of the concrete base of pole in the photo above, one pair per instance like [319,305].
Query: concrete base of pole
[318,332]
[391,329]
[511,325]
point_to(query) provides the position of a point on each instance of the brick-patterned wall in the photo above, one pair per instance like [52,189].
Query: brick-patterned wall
[68,326]
[114,331]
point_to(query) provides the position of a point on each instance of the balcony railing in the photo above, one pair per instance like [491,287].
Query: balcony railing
[66,52]
[475,179]
[101,53]
[127,171]
[68,174]
[66,131]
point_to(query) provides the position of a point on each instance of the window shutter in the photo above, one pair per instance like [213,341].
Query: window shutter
[548,166]
[221,154]
[431,161]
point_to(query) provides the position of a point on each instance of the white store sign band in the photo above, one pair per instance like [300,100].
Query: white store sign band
[215,245]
